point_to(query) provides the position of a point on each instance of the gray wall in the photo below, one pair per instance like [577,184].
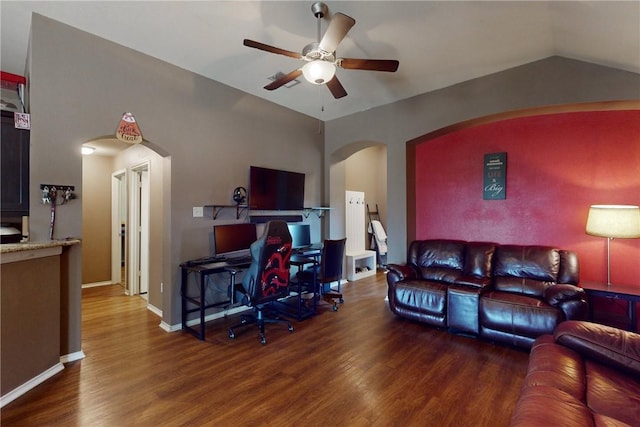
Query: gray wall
[208,133]
[552,81]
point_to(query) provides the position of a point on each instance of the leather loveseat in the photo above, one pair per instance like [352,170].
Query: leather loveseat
[583,375]
[507,293]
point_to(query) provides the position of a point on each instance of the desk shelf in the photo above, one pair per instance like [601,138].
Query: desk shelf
[215,209]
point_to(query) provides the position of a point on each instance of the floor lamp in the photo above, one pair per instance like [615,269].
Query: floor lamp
[613,221]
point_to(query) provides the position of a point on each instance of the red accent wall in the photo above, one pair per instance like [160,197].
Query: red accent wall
[557,166]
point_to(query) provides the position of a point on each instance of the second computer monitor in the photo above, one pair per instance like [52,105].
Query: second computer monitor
[230,239]
[300,235]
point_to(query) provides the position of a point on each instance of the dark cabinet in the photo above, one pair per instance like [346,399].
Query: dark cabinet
[14,168]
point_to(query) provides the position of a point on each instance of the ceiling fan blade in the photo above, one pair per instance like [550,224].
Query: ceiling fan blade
[284,79]
[390,65]
[272,49]
[336,88]
[338,28]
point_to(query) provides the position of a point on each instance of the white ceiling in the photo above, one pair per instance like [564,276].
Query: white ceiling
[438,43]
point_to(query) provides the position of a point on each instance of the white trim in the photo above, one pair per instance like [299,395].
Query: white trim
[170,328]
[218,315]
[118,204]
[72,357]
[155,310]
[32,383]
[96,284]
[213,316]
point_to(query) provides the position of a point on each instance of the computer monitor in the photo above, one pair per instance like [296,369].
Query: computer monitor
[300,235]
[230,239]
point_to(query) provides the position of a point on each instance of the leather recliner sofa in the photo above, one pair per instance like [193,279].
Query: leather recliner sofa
[583,375]
[507,293]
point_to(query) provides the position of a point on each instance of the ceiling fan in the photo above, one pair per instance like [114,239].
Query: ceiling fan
[320,56]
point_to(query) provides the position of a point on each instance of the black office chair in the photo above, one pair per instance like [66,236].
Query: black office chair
[328,271]
[267,279]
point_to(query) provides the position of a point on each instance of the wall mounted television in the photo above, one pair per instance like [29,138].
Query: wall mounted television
[275,190]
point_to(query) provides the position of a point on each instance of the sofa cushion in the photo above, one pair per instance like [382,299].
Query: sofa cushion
[422,296]
[548,406]
[478,259]
[437,254]
[556,366]
[569,268]
[612,393]
[518,314]
[605,344]
[439,260]
[532,262]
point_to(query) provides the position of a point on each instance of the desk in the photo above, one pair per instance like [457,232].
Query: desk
[630,294]
[202,272]
[301,312]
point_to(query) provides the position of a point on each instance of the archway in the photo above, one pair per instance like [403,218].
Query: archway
[115,168]
[359,166]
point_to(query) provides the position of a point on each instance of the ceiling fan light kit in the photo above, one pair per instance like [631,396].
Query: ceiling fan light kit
[321,62]
[318,72]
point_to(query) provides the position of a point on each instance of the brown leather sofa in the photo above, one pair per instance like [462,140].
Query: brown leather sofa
[583,375]
[507,293]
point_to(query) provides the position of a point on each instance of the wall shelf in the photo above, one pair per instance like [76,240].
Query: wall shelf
[318,210]
[240,209]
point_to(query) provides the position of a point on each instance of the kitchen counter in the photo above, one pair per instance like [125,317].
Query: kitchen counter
[13,252]
[28,246]
[32,303]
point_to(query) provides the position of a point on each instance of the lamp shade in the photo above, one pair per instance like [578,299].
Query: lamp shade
[619,221]
[318,71]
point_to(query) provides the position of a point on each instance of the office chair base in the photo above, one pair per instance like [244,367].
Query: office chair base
[331,298]
[260,321]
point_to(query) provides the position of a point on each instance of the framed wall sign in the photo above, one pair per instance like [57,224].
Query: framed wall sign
[495,176]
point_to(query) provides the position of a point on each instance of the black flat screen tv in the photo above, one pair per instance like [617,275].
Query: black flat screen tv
[275,190]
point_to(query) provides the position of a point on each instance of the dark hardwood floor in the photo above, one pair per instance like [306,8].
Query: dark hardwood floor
[359,366]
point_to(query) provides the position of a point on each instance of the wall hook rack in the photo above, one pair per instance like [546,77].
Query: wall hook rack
[56,195]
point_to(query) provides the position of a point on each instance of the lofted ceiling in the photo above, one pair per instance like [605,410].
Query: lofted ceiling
[438,43]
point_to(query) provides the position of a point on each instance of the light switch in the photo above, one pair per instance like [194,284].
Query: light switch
[198,211]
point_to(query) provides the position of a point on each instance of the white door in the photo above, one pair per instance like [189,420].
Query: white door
[139,231]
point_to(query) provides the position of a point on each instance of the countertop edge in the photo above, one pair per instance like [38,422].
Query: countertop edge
[30,246]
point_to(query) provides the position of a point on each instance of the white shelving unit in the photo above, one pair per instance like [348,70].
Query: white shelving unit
[360,265]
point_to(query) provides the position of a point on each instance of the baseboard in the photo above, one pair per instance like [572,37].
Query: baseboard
[155,310]
[170,328]
[32,383]
[178,326]
[96,284]
[72,357]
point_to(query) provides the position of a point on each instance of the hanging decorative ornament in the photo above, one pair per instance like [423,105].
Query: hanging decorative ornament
[128,130]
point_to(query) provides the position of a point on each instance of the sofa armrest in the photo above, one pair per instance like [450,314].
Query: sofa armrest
[398,272]
[557,294]
[568,298]
[605,344]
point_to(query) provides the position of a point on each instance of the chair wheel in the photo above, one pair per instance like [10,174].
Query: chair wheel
[263,340]
[335,308]
[290,327]
[341,301]
[232,335]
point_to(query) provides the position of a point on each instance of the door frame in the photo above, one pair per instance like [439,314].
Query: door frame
[138,236]
[118,203]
